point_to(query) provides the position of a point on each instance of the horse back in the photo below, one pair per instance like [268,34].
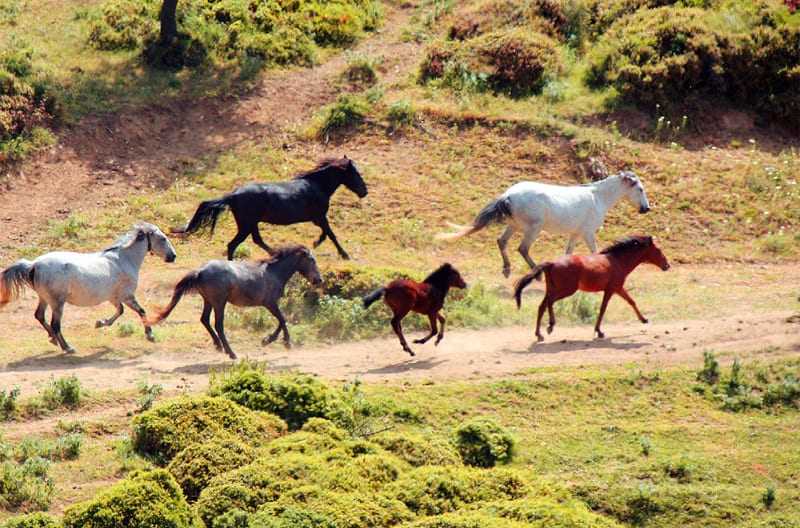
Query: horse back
[281,203]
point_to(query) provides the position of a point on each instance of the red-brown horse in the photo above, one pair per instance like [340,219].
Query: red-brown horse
[426,297]
[600,272]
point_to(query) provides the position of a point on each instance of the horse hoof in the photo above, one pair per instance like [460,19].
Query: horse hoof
[539,339]
[550,329]
[437,342]
[287,344]
[267,341]
[151,338]
[99,324]
[232,355]
[419,341]
[645,321]
[69,350]
[600,335]
[506,272]
[410,352]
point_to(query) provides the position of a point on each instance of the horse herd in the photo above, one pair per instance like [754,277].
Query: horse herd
[111,275]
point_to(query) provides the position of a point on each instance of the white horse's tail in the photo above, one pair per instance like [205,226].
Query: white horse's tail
[496,211]
[14,279]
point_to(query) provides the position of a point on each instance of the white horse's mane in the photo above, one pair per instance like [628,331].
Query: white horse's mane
[127,239]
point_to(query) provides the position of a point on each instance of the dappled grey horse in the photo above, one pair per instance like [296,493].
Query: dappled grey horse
[243,283]
[87,279]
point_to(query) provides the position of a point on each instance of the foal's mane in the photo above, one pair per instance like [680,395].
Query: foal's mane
[440,277]
[627,244]
[284,252]
[323,164]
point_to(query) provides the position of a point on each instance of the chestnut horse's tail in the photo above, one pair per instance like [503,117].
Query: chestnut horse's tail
[187,284]
[496,211]
[372,297]
[523,283]
[205,217]
[14,279]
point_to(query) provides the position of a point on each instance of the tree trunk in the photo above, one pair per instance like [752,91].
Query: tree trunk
[169,24]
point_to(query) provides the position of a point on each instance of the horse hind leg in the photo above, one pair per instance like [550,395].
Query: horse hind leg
[55,324]
[552,323]
[39,314]
[134,305]
[256,234]
[502,244]
[205,319]
[398,329]
[240,237]
[111,320]
[527,241]
[545,302]
[434,330]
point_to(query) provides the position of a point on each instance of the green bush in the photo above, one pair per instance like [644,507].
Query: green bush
[289,517]
[62,392]
[171,427]
[195,466]
[26,486]
[483,443]
[401,114]
[66,447]
[145,499]
[544,16]
[348,111]
[33,520]
[418,450]
[710,372]
[8,403]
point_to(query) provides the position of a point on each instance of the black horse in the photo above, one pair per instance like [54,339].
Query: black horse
[305,198]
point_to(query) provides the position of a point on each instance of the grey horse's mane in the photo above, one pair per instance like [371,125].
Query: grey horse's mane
[284,252]
[128,237]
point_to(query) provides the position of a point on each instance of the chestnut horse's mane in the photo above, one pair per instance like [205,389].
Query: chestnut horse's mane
[627,244]
[323,164]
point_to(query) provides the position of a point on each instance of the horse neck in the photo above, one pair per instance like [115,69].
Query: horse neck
[133,254]
[327,180]
[442,288]
[629,261]
[608,192]
[282,270]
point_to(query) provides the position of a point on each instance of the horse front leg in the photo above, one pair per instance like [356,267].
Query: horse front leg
[256,234]
[606,297]
[442,321]
[625,295]
[327,231]
[527,241]
[276,312]
[39,314]
[134,305]
[434,330]
[55,324]
[111,320]
[571,245]
[502,243]
[591,241]
[398,329]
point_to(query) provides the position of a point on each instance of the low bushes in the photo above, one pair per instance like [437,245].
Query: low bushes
[195,466]
[483,443]
[26,486]
[418,450]
[33,520]
[169,428]
[545,16]
[145,499]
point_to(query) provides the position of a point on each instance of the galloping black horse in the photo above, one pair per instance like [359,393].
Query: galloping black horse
[305,198]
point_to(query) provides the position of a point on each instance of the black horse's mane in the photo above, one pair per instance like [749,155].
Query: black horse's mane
[323,164]
[441,277]
[627,244]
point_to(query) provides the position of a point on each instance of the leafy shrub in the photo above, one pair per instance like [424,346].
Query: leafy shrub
[417,450]
[401,114]
[8,403]
[62,392]
[26,486]
[195,466]
[361,70]
[120,25]
[67,447]
[144,499]
[545,16]
[348,111]
[147,396]
[33,520]
[516,62]
[710,372]
[171,427]
[289,517]
[433,490]
[483,443]
[768,498]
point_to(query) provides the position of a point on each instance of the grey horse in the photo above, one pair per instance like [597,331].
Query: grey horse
[87,279]
[259,283]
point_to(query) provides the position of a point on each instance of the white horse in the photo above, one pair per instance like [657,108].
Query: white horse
[577,211]
[87,279]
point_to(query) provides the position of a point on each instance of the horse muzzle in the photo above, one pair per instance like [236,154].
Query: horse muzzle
[170,258]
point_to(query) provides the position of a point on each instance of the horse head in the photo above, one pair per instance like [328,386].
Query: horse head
[654,255]
[157,242]
[308,267]
[352,178]
[634,190]
[454,277]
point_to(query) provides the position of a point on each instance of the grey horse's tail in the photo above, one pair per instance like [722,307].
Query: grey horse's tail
[372,297]
[205,217]
[496,211]
[523,283]
[187,284]
[14,279]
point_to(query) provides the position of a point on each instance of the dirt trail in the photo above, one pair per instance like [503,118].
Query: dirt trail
[464,354]
[109,157]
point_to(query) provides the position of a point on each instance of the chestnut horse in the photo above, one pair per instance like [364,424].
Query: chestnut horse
[426,297]
[599,272]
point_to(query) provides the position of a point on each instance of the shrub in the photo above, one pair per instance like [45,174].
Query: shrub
[361,70]
[8,403]
[417,450]
[33,520]
[147,396]
[433,490]
[171,427]
[27,485]
[768,498]
[62,392]
[195,466]
[401,114]
[710,372]
[150,498]
[348,111]
[483,443]
[295,398]
[545,16]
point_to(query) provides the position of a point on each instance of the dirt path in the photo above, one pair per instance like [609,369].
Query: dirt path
[464,354]
[104,158]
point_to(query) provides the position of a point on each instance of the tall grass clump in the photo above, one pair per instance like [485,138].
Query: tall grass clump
[347,112]
[8,403]
[62,392]
[26,486]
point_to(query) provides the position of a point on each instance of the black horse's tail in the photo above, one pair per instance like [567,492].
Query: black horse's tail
[372,297]
[205,217]
[496,211]
[523,283]
[14,279]
[187,284]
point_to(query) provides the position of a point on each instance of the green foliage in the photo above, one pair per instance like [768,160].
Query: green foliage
[478,18]
[348,111]
[26,486]
[147,396]
[581,307]
[62,392]
[271,32]
[195,466]
[171,427]
[710,372]
[768,498]
[8,403]
[361,70]
[33,520]
[419,450]
[401,114]
[66,447]
[483,443]
[144,499]
[753,388]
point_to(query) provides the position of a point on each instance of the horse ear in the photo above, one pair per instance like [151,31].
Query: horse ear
[345,157]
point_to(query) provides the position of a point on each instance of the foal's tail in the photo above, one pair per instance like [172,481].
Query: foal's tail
[187,284]
[205,217]
[523,283]
[372,297]
[14,279]
[496,211]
